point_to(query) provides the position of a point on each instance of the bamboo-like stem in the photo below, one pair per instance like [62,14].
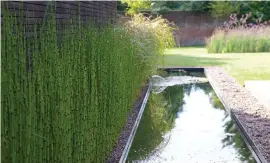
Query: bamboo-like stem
[66,97]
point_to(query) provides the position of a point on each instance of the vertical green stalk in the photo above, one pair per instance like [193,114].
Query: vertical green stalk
[73,94]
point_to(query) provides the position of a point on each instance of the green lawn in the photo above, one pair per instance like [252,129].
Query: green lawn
[242,66]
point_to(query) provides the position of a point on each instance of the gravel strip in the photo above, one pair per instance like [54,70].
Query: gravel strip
[126,131]
[254,117]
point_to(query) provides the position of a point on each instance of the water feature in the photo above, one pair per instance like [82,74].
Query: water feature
[187,123]
[159,83]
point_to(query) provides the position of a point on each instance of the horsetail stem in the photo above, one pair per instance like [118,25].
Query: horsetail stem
[66,94]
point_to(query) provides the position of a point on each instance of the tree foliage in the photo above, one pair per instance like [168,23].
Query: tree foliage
[136,6]
[223,8]
[198,6]
[259,9]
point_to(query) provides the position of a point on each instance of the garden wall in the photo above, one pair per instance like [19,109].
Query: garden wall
[98,11]
[193,27]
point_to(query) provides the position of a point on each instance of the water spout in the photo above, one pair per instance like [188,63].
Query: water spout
[159,83]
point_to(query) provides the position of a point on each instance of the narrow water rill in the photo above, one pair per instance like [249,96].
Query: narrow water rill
[186,122]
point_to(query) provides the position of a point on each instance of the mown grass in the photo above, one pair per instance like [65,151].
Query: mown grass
[242,66]
[66,98]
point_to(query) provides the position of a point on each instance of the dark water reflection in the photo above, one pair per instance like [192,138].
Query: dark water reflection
[186,124]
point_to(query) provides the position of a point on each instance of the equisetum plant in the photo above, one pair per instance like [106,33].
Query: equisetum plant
[66,95]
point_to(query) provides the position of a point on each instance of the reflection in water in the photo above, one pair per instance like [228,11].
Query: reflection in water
[232,136]
[155,123]
[187,123]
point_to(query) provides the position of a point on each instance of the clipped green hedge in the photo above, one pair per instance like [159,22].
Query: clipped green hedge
[66,100]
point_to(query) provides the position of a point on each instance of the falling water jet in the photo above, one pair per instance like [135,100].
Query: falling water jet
[159,83]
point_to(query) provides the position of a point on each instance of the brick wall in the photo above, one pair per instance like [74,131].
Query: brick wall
[98,11]
[194,28]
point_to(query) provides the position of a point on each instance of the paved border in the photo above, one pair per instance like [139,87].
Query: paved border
[252,118]
[260,90]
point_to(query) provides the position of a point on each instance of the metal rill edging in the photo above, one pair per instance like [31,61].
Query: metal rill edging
[252,147]
[135,126]
[189,69]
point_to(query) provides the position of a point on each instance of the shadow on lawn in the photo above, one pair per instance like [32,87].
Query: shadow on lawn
[184,60]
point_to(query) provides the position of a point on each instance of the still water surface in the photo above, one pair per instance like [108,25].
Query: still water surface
[187,124]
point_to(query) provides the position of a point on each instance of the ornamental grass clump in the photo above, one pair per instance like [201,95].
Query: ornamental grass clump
[239,37]
[150,36]
[65,98]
